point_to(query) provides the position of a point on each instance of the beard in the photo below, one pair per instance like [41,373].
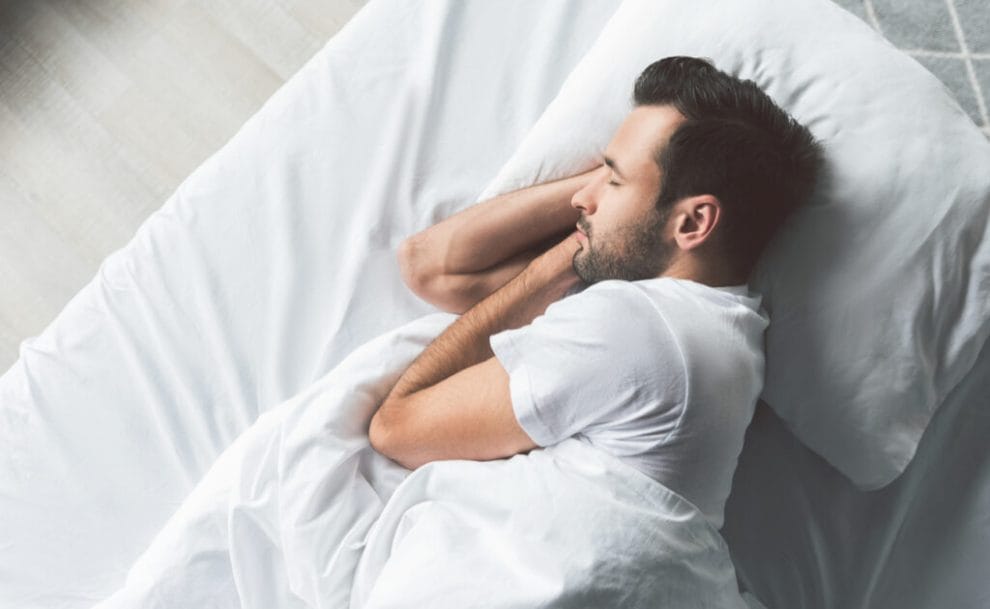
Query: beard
[632,252]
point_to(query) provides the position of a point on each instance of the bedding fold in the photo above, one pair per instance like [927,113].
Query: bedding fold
[300,511]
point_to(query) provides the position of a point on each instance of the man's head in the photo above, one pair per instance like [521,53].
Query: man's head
[699,177]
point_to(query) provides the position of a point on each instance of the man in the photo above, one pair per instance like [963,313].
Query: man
[637,332]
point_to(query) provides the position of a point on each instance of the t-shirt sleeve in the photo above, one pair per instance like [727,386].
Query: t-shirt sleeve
[602,357]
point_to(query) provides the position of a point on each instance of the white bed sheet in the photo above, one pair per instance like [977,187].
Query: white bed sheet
[267,266]
[275,258]
[301,512]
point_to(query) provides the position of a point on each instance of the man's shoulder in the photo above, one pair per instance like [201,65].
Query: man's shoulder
[613,288]
[658,294]
[609,307]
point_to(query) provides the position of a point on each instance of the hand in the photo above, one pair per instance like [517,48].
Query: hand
[555,266]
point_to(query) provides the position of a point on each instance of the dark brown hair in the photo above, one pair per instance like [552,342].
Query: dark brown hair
[736,145]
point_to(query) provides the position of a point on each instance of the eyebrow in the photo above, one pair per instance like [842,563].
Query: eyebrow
[611,163]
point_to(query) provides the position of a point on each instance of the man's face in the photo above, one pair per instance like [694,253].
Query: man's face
[625,237]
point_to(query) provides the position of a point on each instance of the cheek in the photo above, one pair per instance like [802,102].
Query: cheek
[617,210]
[623,212]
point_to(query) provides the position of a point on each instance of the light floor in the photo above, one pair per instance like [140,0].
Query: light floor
[105,107]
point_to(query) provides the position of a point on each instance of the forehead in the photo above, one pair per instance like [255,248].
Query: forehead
[637,137]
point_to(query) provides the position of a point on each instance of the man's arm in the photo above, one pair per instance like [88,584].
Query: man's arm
[453,401]
[457,262]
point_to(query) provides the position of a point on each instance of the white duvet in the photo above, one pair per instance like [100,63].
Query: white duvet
[301,512]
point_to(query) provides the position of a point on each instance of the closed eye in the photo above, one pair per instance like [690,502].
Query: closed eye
[613,183]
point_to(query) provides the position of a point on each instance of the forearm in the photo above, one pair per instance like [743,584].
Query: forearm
[488,233]
[458,293]
[465,342]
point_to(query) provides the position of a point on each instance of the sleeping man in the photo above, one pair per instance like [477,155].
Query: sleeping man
[637,332]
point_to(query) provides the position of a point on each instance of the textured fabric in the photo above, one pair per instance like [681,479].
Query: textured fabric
[662,373]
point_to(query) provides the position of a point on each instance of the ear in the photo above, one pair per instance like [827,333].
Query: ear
[695,220]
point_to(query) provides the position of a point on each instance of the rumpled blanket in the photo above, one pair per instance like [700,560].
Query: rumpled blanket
[300,511]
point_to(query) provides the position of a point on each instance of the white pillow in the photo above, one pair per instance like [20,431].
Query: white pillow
[879,289]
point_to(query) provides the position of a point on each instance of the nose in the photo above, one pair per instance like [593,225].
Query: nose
[586,199]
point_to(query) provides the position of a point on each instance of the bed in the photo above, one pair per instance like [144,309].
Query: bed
[275,260]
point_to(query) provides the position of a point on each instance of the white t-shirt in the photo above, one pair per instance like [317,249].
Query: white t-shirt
[662,373]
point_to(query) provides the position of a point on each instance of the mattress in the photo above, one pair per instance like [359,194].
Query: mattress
[276,258]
